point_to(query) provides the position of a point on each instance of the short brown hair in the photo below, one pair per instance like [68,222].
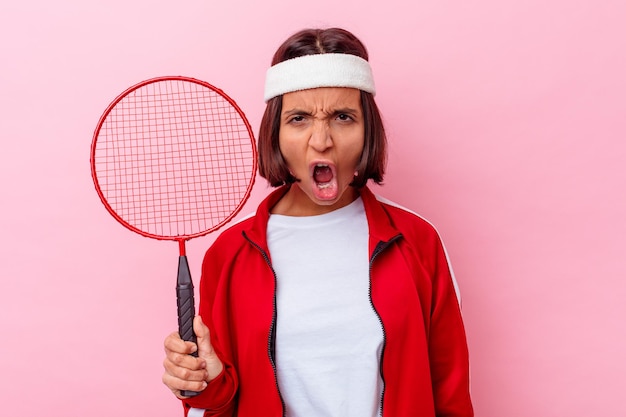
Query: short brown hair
[373,160]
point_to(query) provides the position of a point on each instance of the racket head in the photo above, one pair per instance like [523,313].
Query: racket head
[173,158]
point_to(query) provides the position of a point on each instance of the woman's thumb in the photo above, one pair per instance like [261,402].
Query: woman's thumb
[202,335]
[214,365]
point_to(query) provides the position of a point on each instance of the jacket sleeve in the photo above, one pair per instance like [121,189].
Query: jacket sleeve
[219,397]
[448,352]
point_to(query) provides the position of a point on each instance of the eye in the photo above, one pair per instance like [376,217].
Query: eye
[296,119]
[344,117]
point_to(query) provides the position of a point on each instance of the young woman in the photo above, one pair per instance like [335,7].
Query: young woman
[329,301]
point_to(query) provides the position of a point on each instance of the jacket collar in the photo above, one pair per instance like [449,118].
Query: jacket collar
[257,231]
[380,227]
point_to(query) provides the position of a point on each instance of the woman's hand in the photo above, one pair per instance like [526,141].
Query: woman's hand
[186,372]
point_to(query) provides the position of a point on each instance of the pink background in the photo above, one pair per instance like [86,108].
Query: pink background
[507,128]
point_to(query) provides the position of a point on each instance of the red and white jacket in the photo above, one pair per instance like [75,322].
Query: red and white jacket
[424,363]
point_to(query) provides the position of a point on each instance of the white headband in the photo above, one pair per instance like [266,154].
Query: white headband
[319,70]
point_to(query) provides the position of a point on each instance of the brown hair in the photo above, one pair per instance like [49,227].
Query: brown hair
[272,166]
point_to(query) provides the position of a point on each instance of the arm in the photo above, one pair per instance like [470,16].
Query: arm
[449,359]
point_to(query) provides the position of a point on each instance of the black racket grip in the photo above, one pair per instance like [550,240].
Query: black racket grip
[186,308]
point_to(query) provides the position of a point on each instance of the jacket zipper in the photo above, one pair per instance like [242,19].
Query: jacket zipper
[272,334]
[380,247]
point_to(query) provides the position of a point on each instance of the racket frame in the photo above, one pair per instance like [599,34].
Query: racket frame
[179,238]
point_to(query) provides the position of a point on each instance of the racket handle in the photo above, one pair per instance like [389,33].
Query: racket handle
[186,308]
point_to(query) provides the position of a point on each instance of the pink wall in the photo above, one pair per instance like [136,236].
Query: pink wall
[508,131]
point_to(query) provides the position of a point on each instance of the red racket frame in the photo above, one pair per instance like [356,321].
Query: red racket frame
[181,239]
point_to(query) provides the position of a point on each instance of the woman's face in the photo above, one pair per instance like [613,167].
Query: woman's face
[321,139]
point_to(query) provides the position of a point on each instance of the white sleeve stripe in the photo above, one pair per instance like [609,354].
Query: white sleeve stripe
[195,412]
[457,290]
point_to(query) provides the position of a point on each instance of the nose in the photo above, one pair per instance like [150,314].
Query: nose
[321,138]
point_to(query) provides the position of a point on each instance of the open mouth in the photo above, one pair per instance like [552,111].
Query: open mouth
[322,175]
[324,181]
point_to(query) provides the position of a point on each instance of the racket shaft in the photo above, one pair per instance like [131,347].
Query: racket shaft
[186,308]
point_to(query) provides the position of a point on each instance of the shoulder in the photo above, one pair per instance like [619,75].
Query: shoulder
[407,221]
[225,250]
[232,235]
[420,235]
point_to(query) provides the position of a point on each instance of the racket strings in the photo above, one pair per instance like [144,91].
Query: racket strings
[174,158]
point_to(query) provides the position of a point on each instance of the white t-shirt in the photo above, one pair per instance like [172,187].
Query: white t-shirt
[328,337]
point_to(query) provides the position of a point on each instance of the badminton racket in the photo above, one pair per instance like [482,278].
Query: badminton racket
[174,158]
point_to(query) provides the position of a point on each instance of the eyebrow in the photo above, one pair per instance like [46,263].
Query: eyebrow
[295,111]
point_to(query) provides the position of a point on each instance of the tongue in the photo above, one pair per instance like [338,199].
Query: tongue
[322,174]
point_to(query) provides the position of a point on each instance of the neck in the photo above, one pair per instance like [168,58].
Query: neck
[298,204]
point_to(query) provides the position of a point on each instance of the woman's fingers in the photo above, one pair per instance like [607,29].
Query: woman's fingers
[185,366]
[182,370]
[174,343]
[176,385]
